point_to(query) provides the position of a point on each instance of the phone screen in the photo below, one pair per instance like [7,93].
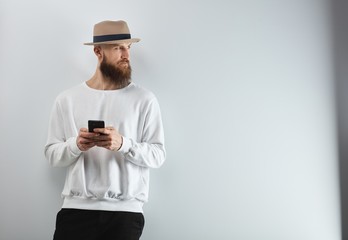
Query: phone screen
[92,124]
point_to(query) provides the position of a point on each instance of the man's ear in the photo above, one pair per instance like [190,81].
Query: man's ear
[98,51]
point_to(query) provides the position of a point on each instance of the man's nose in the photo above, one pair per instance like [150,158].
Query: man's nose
[125,53]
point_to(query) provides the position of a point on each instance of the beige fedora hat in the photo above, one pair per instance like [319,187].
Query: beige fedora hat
[111,32]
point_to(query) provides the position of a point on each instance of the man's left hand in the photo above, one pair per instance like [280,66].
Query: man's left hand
[109,138]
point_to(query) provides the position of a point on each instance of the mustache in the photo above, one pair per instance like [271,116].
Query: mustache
[124,61]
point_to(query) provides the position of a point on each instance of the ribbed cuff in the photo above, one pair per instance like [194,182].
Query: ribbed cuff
[126,145]
[74,149]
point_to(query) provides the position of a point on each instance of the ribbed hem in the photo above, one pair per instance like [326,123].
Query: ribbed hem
[105,205]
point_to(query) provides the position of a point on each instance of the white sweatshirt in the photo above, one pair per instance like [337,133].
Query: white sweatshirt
[100,179]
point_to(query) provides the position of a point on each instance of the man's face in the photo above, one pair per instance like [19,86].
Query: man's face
[118,54]
[115,65]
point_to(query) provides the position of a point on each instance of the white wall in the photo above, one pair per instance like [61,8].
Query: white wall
[246,91]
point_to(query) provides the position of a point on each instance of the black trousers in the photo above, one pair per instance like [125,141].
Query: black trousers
[76,224]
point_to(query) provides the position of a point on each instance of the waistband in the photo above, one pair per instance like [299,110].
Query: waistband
[132,205]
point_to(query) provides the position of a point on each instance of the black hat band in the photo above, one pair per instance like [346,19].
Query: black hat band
[114,37]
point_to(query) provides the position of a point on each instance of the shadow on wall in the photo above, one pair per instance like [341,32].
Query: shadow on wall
[340,34]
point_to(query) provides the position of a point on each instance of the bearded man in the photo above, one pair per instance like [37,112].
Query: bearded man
[107,178]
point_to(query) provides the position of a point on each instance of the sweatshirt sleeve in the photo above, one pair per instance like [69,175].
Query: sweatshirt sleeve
[150,152]
[59,150]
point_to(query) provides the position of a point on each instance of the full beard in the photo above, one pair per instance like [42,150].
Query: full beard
[118,75]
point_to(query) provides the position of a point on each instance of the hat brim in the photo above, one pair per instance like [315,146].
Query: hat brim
[131,40]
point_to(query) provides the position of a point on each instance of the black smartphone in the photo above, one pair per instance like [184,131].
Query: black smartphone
[92,124]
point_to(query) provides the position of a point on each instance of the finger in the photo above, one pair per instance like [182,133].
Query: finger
[103,130]
[86,141]
[102,137]
[89,145]
[88,134]
[83,130]
[108,145]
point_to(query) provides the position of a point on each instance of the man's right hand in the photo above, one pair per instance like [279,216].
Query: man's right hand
[84,140]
